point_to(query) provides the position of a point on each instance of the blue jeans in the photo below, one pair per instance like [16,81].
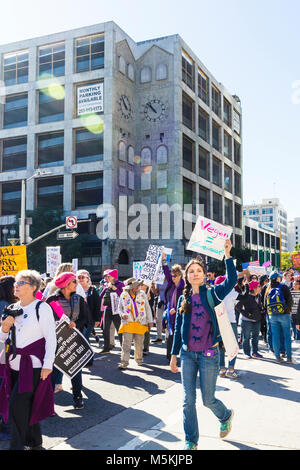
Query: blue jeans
[250,330]
[231,363]
[281,323]
[296,332]
[208,367]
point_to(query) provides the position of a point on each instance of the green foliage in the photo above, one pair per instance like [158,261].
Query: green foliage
[286,261]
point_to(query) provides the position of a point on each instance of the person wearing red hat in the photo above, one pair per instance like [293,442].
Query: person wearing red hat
[74,307]
[109,299]
[252,312]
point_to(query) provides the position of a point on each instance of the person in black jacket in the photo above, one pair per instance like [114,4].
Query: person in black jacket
[76,308]
[252,311]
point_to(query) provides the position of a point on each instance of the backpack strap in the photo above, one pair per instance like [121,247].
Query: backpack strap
[37,307]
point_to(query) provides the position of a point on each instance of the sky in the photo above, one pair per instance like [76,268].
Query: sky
[251,46]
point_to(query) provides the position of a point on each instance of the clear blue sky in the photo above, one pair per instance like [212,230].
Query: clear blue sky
[251,46]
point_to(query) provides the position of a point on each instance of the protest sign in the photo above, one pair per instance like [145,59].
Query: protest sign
[296,260]
[160,277]
[208,238]
[137,269]
[151,264]
[73,351]
[53,259]
[258,270]
[229,340]
[12,260]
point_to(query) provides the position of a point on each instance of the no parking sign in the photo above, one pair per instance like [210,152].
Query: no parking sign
[71,222]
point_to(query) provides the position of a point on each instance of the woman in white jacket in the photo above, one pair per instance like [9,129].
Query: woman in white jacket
[136,317]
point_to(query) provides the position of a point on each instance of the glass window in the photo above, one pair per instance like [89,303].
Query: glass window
[227,178]
[247,234]
[14,154]
[237,153]
[89,53]
[50,192]
[188,112]
[161,72]
[203,90]
[15,111]
[146,75]
[88,190]
[52,60]
[254,236]
[204,202]
[204,163]
[89,146]
[51,108]
[227,112]
[188,70]
[203,123]
[11,198]
[216,171]
[227,145]
[238,215]
[188,194]
[228,211]
[217,207]
[15,68]
[188,153]
[216,100]
[216,136]
[237,184]
[51,149]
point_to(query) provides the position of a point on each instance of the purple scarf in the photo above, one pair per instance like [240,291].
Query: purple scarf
[43,402]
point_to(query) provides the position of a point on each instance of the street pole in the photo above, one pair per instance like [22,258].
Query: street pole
[23,210]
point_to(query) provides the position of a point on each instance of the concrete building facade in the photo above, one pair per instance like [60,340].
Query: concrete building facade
[167,133]
[293,234]
[263,241]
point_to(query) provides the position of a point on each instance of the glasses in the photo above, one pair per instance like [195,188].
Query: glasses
[174,275]
[22,283]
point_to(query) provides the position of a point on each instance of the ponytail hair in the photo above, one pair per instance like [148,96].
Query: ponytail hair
[185,306]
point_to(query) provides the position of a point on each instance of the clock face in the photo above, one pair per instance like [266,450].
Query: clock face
[125,107]
[155,110]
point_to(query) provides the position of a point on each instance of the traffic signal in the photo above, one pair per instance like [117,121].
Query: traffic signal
[92,224]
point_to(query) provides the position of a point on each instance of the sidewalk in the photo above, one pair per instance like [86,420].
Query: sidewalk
[265,400]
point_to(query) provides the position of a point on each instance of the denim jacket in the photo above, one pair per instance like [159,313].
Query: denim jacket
[183,320]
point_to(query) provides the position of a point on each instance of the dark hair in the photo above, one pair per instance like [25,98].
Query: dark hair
[185,306]
[7,289]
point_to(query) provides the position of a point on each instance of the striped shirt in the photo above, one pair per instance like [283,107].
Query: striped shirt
[296,299]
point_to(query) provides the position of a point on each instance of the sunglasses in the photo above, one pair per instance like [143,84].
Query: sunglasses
[82,277]
[21,283]
[174,275]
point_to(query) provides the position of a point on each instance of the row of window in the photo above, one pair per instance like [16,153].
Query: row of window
[188,119]
[189,191]
[161,71]
[88,147]
[126,154]
[49,192]
[268,210]
[89,55]
[260,238]
[230,118]
[188,162]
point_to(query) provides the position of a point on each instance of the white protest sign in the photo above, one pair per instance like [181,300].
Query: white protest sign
[226,331]
[258,270]
[160,277]
[75,264]
[208,238]
[151,263]
[53,259]
[137,269]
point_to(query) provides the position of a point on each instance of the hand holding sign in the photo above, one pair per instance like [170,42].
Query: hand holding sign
[227,248]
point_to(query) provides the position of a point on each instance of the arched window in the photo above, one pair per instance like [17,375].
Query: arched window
[146,156]
[146,74]
[130,72]
[123,257]
[122,65]
[161,72]
[122,151]
[162,155]
[130,152]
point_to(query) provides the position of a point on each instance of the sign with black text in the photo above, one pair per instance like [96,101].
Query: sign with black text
[73,350]
[90,99]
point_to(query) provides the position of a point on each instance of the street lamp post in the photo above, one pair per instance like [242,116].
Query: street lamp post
[5,233]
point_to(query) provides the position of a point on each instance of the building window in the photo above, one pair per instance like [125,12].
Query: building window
[236,122]
[146,156]
[216,100]
[11,198]
[188,70]
[227,145]
[216,136]
[227,112]
[188,112]
[50,149]
[247,234]
[204,170]
[254,236]
[14,154]
[50,193]
[15,68]
[238,241]
[161,72]
[15,111]
[89,146]
[51,108]
[217,171]
[203,84]
[227,178]
[217,208]
[130,72]
[52,60]
[89,53]
[146,75]
[237,153]
[203,123]
[237,184]
[228,211]
[188,153]
[188,194]
[88,190]
[162,155]
[204,202]
[238,216]
[122,65]
[267,240]
[261,237]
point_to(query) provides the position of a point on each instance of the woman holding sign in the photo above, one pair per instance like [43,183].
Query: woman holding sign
[197,336]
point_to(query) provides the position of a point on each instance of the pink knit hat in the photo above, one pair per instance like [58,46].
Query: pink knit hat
[64,279]
[253,285]
[219,280]
[111,272]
